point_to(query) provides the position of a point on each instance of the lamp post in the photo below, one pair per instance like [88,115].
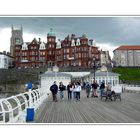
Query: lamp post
[94,60]
[106,70]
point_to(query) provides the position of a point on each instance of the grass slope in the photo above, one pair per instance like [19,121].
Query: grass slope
[129,75]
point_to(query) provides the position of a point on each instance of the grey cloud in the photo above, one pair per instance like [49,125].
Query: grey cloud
[115,30]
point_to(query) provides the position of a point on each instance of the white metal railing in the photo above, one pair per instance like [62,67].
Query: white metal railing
[13,109]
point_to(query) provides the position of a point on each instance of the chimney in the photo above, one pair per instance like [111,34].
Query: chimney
[4,52]
[8,53]
[39,40]
[91,42]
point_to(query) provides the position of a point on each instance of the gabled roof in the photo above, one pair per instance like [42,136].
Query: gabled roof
[34,41]
[128,47]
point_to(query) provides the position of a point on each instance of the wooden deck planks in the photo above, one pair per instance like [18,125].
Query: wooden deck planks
[91,110]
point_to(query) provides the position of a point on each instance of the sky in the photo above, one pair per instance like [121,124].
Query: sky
[108,32]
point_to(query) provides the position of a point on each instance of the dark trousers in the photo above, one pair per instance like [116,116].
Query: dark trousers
[54,97]
[78,95]
[69,95]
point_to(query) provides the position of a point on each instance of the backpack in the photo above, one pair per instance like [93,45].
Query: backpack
[88,87]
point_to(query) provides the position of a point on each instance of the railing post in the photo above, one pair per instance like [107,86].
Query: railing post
[30,99]
[10,110]
[3,112]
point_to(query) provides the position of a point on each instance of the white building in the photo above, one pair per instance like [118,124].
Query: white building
[127,56]
[5,60]
[105,58]
[78,76]
[103,75]
[48,79]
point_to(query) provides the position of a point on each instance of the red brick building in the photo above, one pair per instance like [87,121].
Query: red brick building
[72,51]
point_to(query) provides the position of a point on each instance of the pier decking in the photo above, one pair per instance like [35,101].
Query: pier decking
[90,110]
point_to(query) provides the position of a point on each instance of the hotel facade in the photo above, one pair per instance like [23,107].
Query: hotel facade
[72,51]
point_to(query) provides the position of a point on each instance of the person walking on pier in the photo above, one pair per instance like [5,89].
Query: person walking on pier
[88,89]
[94,89]
[78,90]
[73,90]
[69,89]
[61,88]
[54,90]
[102,87]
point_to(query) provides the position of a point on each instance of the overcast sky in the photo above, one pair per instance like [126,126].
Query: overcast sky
[109,32]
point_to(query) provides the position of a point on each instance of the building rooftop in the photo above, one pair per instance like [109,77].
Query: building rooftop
[55,74]
[128,47]
[104,73]
[6,54]
[51,33]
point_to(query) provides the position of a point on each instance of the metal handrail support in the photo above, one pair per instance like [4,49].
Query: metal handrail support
[35,99]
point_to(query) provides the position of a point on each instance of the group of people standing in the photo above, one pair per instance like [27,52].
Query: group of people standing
[73,90]
[92,87]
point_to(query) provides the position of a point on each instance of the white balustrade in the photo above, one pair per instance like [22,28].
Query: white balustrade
[13,109]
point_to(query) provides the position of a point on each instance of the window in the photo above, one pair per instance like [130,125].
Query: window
[49,39]
[130,51]
[79,63]
[17,41]
[67,50]
[33,53]
[67,56]
[5,60]
[33,58]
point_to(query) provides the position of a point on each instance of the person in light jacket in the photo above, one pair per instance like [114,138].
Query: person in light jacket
[62,89]
[78,90]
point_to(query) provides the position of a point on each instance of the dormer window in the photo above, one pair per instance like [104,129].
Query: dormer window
[78,42]
[42,46]
[72,42]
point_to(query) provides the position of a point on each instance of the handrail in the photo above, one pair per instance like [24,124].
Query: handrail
[30,99]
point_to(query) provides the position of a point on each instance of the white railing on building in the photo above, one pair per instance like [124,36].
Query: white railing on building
[13,109]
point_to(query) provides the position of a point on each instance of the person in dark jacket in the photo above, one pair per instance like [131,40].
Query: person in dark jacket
[88,89]
[94,89]
[102,87]
[61,88]
[54,90]
[69,89]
